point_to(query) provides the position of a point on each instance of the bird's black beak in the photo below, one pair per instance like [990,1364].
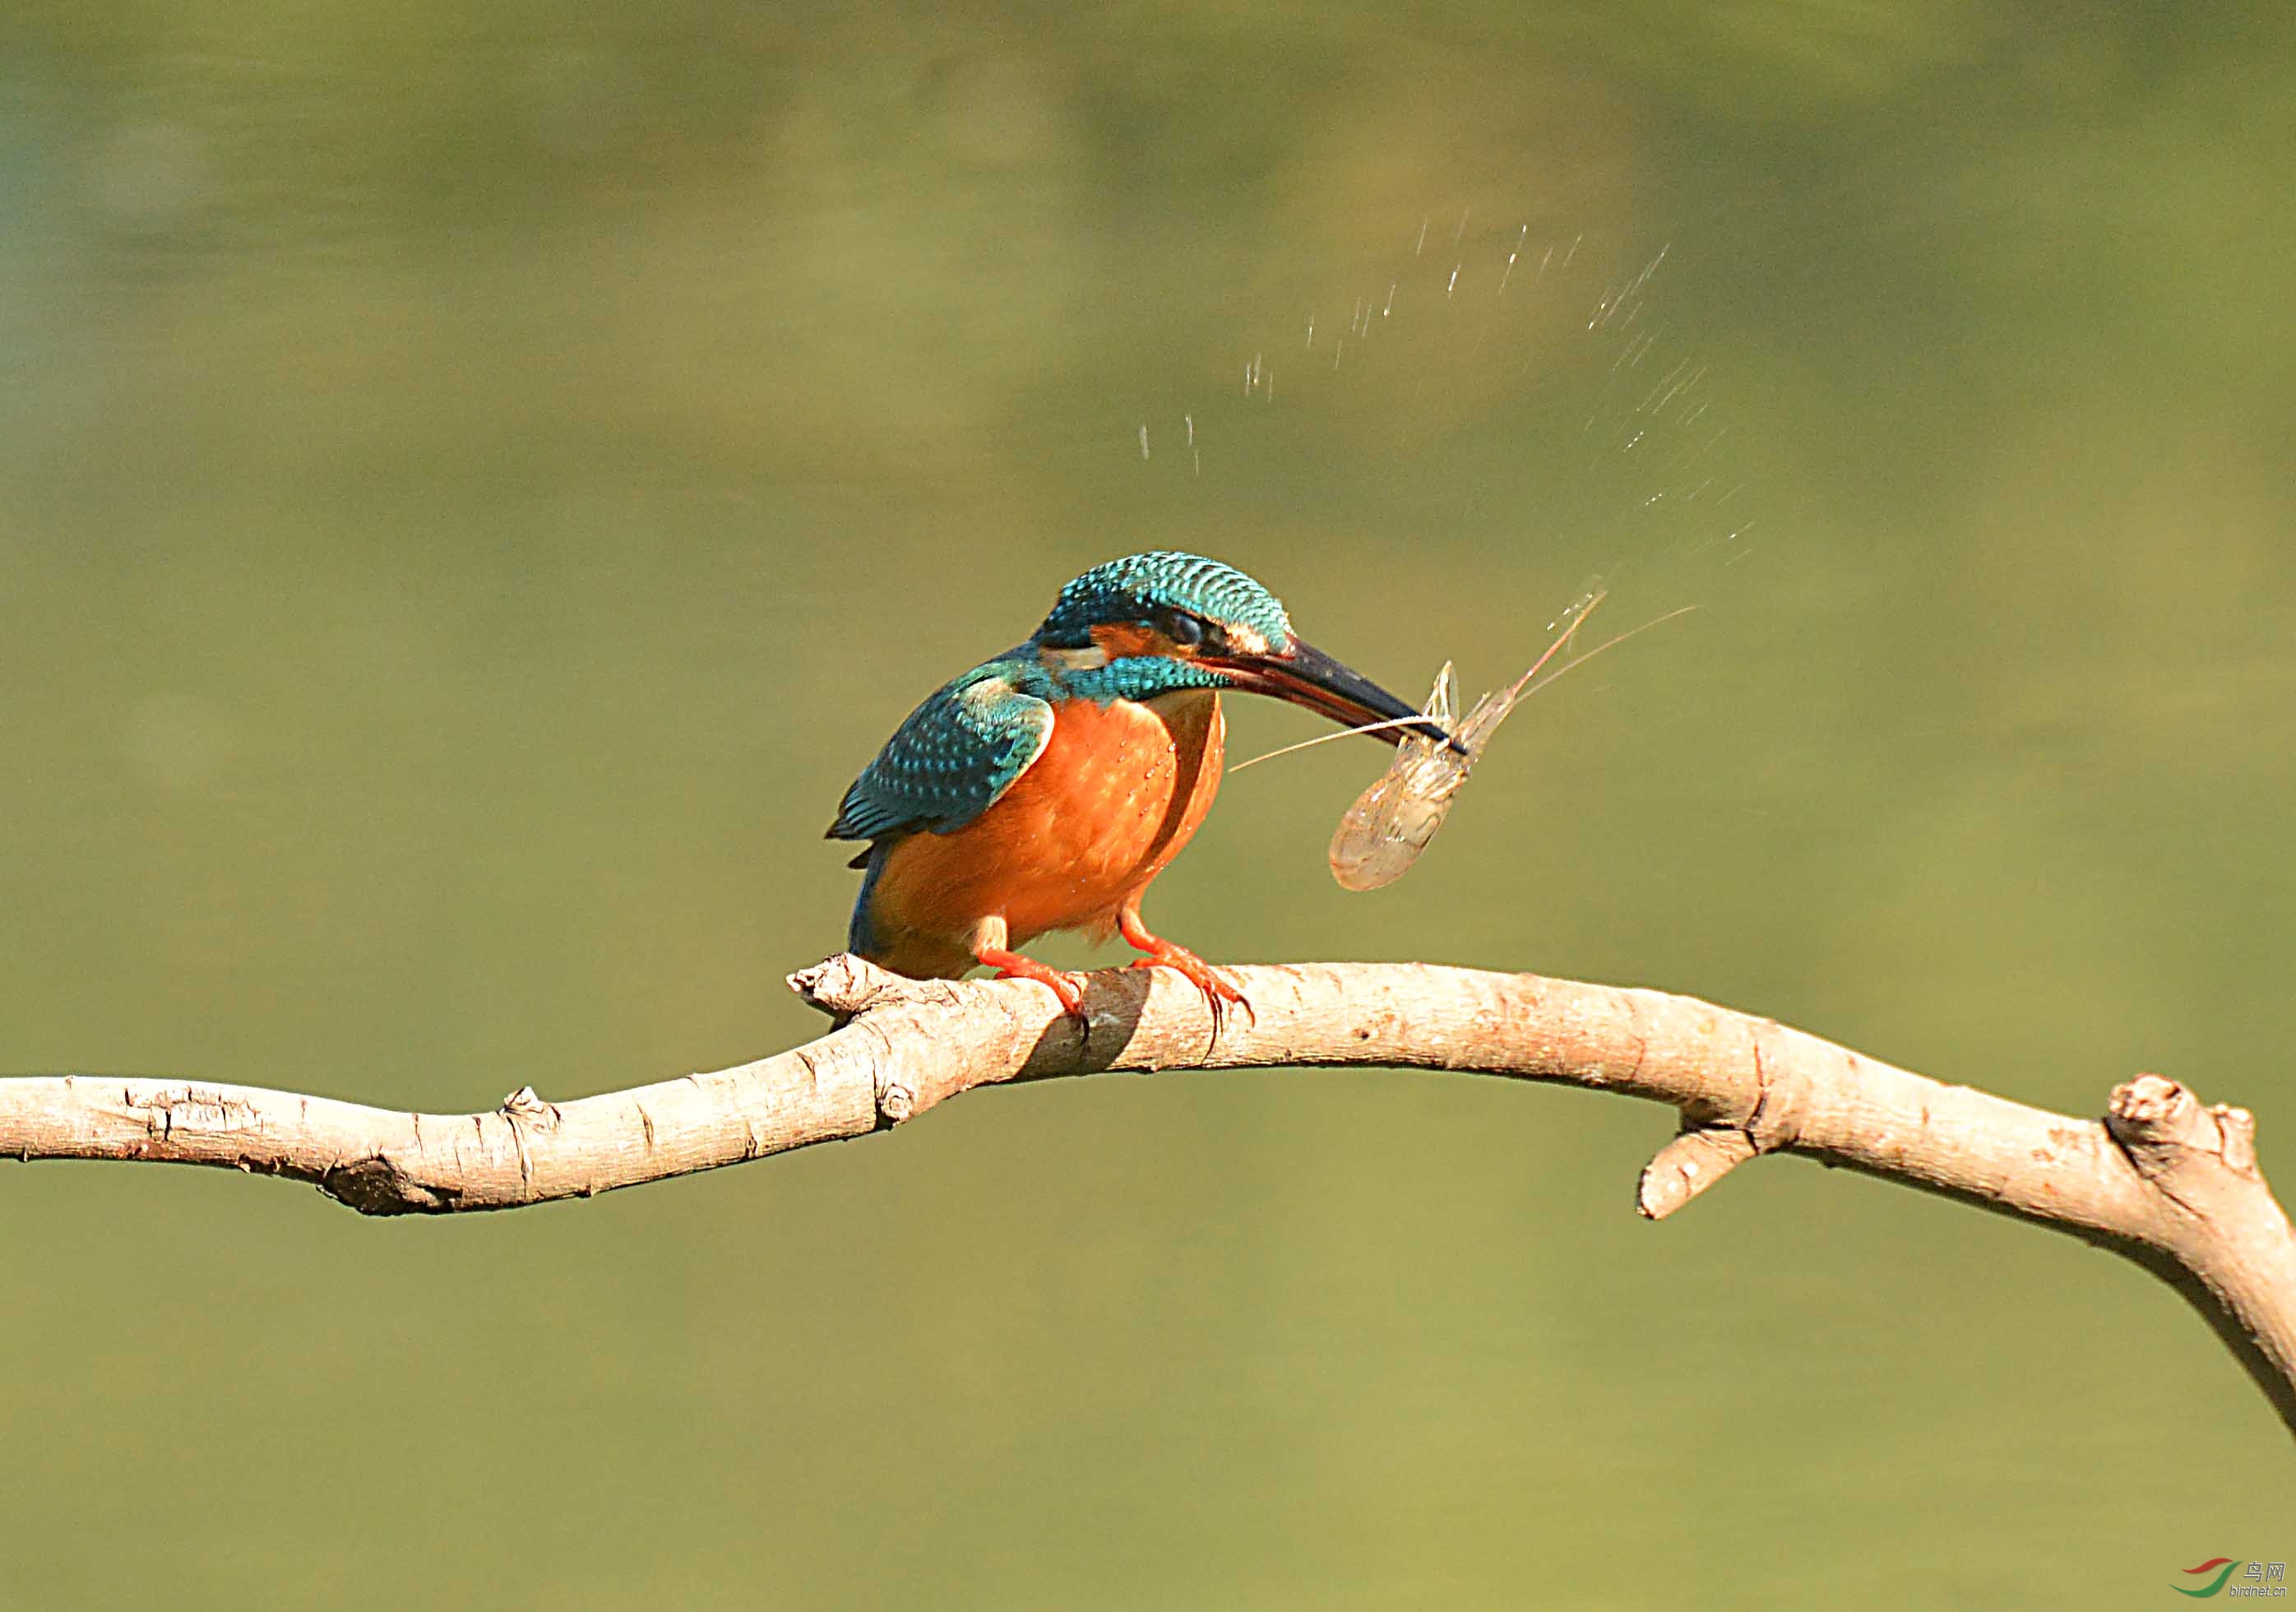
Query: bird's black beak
[1306,676]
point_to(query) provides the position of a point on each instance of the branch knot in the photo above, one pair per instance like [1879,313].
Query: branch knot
[2159,1125]
[896,1098]
[845,984]
[524,1106]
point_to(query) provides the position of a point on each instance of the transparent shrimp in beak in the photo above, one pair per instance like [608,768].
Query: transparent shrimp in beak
[1391,823]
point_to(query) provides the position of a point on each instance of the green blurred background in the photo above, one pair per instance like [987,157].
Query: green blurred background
[474,486]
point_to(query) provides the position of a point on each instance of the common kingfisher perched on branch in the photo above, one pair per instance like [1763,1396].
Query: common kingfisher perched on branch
[1047,788]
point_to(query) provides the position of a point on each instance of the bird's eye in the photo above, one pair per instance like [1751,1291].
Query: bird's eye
[1185,631]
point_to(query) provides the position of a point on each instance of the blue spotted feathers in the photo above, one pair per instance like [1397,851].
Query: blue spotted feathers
[955,754]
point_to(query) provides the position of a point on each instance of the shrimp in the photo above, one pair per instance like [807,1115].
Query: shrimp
[1391,823]
[1382,834]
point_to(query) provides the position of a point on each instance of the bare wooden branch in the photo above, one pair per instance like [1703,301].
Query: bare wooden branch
[2162,1179]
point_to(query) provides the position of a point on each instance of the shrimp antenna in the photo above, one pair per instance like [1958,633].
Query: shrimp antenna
[1606,643]
[1325,738]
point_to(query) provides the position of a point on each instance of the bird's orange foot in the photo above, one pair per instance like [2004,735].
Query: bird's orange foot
[1013,966]
[1217,987]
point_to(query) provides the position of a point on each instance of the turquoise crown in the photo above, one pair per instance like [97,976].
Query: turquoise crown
[1151,587]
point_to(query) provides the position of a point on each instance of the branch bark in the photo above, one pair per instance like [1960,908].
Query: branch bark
[2161,1180]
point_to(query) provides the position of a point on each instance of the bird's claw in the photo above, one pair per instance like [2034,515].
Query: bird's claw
[1069,987]
[1217,987]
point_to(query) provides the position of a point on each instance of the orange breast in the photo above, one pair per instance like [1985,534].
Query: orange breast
[1117,792]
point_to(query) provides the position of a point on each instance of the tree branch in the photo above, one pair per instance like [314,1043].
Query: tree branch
[2161,1180]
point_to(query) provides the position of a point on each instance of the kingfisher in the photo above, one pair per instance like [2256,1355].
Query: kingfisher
[1045,789]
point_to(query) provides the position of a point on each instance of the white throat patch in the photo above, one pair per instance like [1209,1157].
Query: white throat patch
[1075,660]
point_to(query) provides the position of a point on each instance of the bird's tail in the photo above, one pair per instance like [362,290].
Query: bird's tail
[861,936]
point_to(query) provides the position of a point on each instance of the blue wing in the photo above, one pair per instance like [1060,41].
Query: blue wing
[952,757]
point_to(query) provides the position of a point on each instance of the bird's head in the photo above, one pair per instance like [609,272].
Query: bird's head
[1151,623]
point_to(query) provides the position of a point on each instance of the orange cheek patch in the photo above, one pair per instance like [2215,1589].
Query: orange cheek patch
[1123,638]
